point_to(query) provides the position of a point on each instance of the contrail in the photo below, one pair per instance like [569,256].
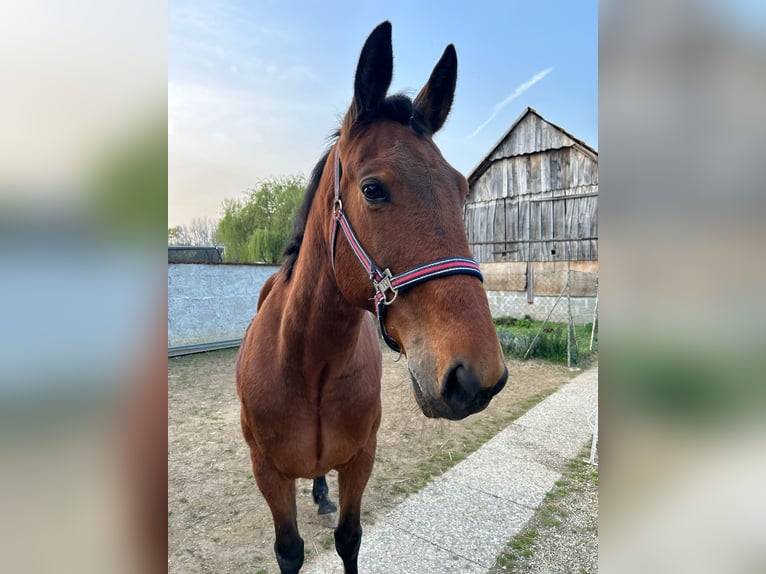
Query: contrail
[516,93]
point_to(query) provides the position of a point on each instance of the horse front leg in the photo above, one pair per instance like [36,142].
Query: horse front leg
[279,493]
[352,479]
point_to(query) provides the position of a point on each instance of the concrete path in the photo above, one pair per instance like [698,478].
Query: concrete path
[461,522]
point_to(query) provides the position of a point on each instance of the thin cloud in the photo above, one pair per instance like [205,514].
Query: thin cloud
[516,93]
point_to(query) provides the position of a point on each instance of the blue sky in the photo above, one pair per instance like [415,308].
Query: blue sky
[255,88]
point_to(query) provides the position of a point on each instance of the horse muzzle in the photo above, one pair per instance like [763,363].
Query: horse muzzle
[459,393]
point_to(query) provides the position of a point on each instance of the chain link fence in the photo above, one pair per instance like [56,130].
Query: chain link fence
[563,296]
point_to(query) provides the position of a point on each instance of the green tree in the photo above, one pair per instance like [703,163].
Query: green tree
[256,227]
[173,234]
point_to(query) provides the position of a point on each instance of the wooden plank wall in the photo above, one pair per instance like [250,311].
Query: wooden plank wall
[535,207]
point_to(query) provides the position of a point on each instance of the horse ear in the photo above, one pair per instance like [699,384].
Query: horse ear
[435,99]
[374,70]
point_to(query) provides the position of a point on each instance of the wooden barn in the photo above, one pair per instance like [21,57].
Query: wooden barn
[531,216]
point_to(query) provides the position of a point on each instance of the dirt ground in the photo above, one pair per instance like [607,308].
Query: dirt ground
[218,521]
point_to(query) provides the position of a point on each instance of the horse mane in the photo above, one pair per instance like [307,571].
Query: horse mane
[293,246]
[397,107]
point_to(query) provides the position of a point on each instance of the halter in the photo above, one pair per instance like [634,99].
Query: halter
[387,285]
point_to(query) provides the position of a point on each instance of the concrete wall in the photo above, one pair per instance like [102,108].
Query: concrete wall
[213,304]
[209,304]
[514,304]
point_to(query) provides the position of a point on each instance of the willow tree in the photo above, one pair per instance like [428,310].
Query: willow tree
[255,228]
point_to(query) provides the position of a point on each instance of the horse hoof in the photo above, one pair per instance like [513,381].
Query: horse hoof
[326,507]
[329,520]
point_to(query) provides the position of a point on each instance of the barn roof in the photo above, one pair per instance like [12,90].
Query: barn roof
[567,141]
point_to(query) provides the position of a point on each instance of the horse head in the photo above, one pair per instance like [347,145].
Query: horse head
[404,204]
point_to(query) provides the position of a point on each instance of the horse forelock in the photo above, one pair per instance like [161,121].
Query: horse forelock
[396,107]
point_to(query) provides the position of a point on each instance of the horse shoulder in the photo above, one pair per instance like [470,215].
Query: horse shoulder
[265,290]
[248,359]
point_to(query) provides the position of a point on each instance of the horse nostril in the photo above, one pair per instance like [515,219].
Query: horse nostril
[501,382]
[462,393]
[460,386]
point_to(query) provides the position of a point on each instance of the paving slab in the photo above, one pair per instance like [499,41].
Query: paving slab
[466,521]
[387,548]
[486,471]
[461,522]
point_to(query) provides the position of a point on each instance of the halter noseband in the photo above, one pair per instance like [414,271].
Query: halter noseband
[388,286]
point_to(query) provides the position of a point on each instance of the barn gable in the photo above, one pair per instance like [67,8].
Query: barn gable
[529,134]
[534,196]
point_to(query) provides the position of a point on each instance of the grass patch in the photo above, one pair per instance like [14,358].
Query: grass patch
[258,559]
[521,546]
[398,489]
[517,335]
[328,542]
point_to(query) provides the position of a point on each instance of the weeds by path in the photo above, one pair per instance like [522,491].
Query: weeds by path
[563,534]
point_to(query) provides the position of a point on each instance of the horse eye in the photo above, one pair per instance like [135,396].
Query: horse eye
[374,192]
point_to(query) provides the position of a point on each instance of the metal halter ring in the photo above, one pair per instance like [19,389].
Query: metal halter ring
[384,285]
[337,206]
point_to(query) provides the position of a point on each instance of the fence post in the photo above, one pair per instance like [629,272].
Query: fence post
[595,317]
[569,316]
[540,330]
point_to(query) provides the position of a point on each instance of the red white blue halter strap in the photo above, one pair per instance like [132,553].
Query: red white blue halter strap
[387,285]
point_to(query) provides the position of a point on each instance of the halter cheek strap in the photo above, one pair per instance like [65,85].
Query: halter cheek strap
[388,286]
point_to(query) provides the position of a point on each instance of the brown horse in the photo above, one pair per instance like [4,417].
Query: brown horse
[309,368]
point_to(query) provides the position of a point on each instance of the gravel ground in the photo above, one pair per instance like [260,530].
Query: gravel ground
[562,537]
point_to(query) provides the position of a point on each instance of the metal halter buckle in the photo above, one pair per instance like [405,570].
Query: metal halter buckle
[384,285]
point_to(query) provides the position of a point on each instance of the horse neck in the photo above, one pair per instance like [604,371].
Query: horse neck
[318,319]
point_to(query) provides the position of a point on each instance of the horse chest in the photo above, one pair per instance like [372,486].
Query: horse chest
[348,416]
[314,432]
